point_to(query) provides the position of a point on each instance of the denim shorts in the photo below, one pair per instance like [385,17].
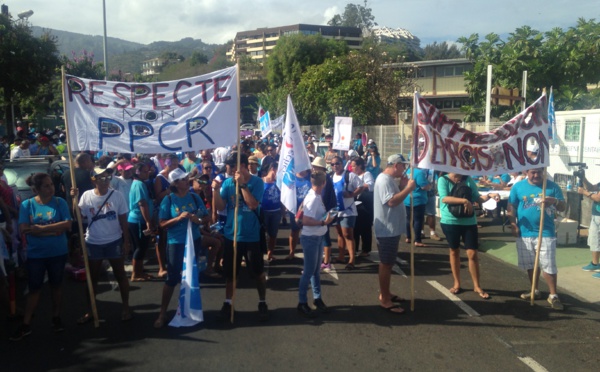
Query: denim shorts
[430,206]
[272,219]
[175,259]
[37,268]
[388,249]
[454,233]
[106,251]
[348,222]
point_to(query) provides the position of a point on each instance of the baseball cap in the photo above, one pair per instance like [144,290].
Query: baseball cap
[397,159]
[99,170]
[533,147]
[177,174]
[124,166]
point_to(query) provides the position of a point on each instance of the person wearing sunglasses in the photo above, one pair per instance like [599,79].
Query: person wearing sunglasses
[107,234]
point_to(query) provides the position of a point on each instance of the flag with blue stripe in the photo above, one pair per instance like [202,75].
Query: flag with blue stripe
[189,311]
[551,117]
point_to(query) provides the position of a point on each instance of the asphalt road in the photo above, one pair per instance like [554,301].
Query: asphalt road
[444,332]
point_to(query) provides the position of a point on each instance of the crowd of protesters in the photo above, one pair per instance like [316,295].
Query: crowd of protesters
[132,203]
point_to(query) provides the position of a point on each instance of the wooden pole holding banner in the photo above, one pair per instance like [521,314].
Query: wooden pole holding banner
[536,264]
[539,241]
[237,196]
[414,155]
[86,261]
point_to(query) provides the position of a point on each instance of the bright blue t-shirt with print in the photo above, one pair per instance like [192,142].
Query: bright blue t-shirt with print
[303,186]
[271,201]
[138,192]
[248,224]
[523,196]
[419,195]
[503,177]
[172,206]
[33,213]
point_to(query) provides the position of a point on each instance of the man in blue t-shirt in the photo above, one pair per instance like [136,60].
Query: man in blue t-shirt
[591,191]
[251,189]
[524,211]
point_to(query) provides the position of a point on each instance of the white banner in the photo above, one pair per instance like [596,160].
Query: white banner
[265,125]
[443,145]
[343,133]
[278,123]
[189,312]
[182,115]
[292,159]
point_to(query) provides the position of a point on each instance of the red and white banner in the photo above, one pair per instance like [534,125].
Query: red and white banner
[342,134]
[183,115]
[444,145]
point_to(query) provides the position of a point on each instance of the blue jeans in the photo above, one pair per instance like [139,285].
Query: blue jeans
[418,218]
[313,254]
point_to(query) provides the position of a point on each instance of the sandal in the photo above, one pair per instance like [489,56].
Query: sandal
[394,309]
[85,319]
[397,299]
[483,294]
[350,267]
[455,291]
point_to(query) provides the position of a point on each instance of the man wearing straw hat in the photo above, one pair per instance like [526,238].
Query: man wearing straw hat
[526,198]
[248,237]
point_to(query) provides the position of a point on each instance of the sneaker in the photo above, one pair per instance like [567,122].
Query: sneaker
[596,276]
[435,237]
[555,303]
[57,325]
[591,267]
[22,332]
[527,295]
[263,311]
[321,306]
[306,311]
[325,266]
[225,312]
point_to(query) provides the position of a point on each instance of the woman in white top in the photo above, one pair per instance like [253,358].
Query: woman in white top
[315,221]
[107,234]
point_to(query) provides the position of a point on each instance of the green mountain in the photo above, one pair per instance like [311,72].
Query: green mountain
[124,55]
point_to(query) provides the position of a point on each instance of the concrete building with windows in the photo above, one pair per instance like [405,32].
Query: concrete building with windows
[441,82]
[258,43]
[152,66]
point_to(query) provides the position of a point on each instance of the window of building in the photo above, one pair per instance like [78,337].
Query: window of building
[425,72]
[572,130]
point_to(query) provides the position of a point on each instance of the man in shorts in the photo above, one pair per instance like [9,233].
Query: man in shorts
[524,205]
[390,223]
[248,237]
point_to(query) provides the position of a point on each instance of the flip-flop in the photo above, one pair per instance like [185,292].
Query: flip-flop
[484,295]
[85,319]
[418,244]
[350,267]
[455,291]
[392,308]
[397,299]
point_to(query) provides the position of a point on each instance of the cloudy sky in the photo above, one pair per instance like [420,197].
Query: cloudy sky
[217,21]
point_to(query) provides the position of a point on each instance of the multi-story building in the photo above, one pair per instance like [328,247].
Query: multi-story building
[258,43]
[152,66]
[441,82]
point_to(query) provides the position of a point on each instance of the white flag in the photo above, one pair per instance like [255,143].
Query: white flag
[293,158]
[342,134]
[278,122]
[189,312]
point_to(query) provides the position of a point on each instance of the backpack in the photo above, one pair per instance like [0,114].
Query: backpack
[461,190]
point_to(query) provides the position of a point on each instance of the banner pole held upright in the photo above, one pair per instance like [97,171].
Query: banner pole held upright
[539,241]
[76,208]
[414,156]
[237,198]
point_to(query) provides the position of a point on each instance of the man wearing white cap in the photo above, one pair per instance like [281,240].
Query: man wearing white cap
[390,223]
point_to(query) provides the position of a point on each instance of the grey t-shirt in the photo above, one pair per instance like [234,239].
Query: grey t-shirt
[388,221]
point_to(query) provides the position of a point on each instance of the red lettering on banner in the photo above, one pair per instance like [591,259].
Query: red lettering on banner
[139,92]
[436,145]
[94,93]
[176,93]
[203,84]
[156,96]
[220,89]
[76,86]
[121,95]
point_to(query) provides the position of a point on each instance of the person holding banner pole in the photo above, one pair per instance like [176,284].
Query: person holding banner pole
[241,232]
[463,227]
[531,207]
[176,209]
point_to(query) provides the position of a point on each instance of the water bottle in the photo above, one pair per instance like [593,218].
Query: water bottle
[569,186]
[202,263]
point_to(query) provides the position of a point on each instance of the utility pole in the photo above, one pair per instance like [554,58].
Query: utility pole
[105,44]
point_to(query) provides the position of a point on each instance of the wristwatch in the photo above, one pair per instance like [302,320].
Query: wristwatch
[243,185]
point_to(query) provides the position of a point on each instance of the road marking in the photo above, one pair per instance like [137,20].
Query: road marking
[457,301]
[529,362]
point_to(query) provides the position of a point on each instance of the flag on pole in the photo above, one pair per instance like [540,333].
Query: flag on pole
[189,312]
[261,112]
[342,134]
[551,118]
[265,125]
[293,158]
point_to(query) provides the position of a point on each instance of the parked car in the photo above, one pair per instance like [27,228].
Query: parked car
[18,170]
